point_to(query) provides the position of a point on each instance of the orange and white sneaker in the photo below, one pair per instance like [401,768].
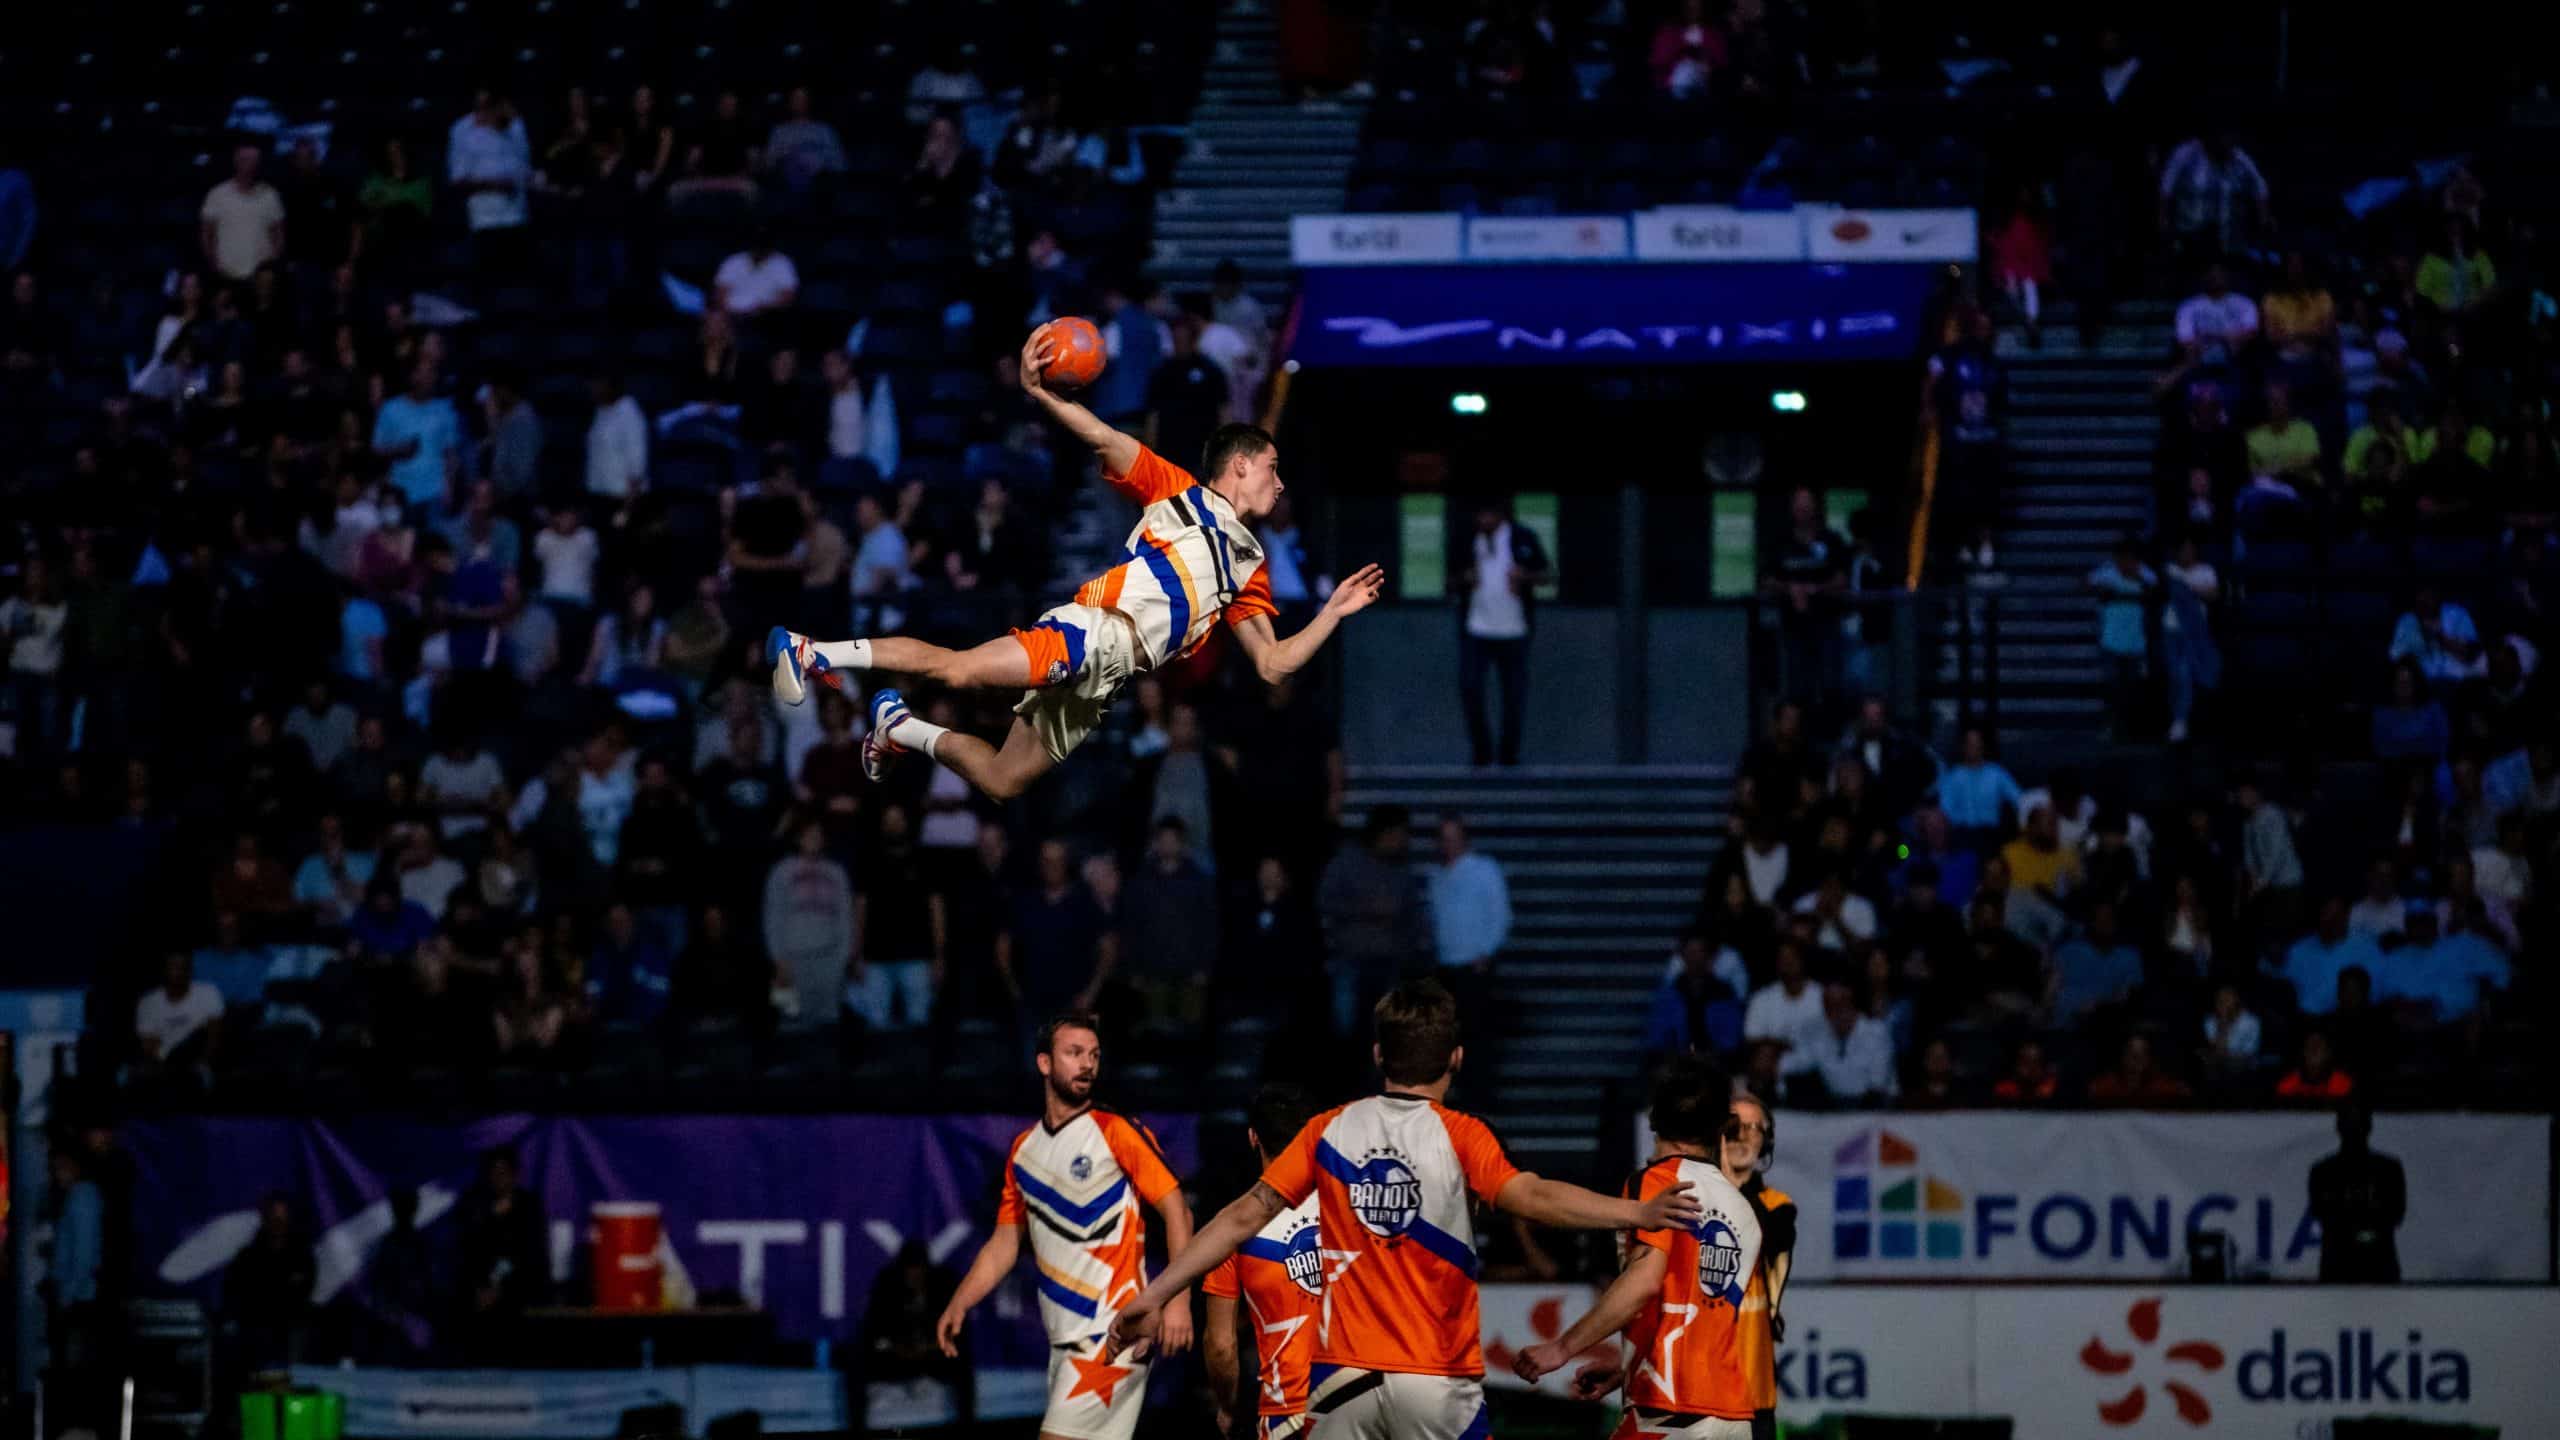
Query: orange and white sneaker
[888,708]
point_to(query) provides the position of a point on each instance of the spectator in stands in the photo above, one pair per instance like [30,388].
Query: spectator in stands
[617,443]
[402,1290]
[2284,446]
[32,629]
[1373,916]
[880,565]
[2457,276]
[266,1290]
[2445,978]
[1698,1006]
[2098,971]
[1061,952]
[1976,793]
[421,436]
[2213,200]
[75,1259]
[252,885]
[1470,915]
[802,147]
[2270,869]
[1235,307]
[489,161]
[2381,915]
[1497,583]
[2439,635]
[325,725]
[330,884]
[2503,872]
[2230,1053]
[1137,339]
[2301,319]
[2215,325]
[2313,963]
[1843,919]
[1807,574]
[1171,930]
[1853,1052]
[461,785]
[808,930]
[1187,399]
[2126,588]
[1270,937]
[427,876]
[177,1027]
[242,220]
[2189,656]
[2315,1075]
[2039,861]
[2136,1080]
[945,178]
[848,433]
[2412,727]
[391,926]
[757,280]
[2030,1080]
[1788,1012]
[2022,260]
[506,1254]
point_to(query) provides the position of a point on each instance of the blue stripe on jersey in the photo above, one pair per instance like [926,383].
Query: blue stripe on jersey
[1217,541]
[1170,581]
[1066,1209]
[1443,1244]
[1079,1304]
[1263,1247]
[1074,636]
[1480,1428]
[1334,1164]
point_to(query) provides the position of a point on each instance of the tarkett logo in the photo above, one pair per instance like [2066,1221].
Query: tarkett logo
[2143,1321]
[1884,1207]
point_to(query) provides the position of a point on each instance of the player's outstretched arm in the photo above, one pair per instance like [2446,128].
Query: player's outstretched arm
[1219,1351]
[1118,451]
[1638,1283]
[1243,1219]
[1275,659]
[994,1262]
[1570,1207]
[1174,1330]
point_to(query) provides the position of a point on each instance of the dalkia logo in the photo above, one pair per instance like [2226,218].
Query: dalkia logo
[1883,1207]
[2144,1321]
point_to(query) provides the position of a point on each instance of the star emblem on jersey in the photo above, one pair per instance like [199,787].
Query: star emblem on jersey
[1097,1377]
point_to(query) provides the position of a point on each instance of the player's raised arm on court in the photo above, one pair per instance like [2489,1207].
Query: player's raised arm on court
[994,1262]
[1638,1283]
[1275,659]
[1570,1207]
[1243,1219]
[1118,451]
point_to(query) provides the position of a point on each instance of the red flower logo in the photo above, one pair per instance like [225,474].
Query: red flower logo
[2144,1321]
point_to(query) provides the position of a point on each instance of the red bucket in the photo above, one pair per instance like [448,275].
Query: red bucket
[628,1273]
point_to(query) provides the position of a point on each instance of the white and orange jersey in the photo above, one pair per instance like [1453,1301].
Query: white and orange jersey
[1687,1351]
[1280,1275]
[1078,1189]
[1189,565]
[1391,1174]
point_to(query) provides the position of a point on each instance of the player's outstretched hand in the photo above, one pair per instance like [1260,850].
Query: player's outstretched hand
[1539,1361]
[1035,356]
[1173,1332]
[1597,1379]
[946,1331]
[1359,592]
[1674,1207]
[1131,1328]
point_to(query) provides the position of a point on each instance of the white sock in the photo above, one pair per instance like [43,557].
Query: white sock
[844,654]
[916,734]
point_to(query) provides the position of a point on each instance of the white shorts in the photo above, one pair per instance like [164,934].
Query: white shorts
[1090,1399]
[1639,1423]
[1348,1404]
[1079,656]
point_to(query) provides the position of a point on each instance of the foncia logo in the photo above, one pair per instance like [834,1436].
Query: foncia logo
[1884,1207]
[2143,1321]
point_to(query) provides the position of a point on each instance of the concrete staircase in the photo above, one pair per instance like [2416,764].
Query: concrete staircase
[1257,157]
[2081,434]
[1605,866]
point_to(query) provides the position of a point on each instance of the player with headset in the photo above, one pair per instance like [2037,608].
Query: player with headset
[1750,1142]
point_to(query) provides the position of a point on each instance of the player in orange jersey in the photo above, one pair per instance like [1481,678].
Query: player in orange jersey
[1192,564]
[1077,1180]
[1279,1276]
[1398,1348]
[1680,1298]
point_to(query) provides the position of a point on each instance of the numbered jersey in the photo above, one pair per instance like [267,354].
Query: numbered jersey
[1078,1190]
[1280,1276]
[1686,1350]
[1391,1176]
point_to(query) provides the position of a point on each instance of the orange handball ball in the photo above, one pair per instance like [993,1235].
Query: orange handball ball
[1071,352]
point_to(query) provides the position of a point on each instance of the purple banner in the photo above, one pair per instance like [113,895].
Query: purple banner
[796,1213]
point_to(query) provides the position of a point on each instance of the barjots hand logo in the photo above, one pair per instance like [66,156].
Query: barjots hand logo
[1385,1194]
[1720,1274]
[1305,1261]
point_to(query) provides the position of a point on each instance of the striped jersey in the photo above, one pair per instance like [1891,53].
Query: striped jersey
[1391,1175]
[1280,1276]
[1686,1351]
[1078,1190]
[1189,565]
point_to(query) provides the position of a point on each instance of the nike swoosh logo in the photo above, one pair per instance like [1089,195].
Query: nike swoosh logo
[1378,332]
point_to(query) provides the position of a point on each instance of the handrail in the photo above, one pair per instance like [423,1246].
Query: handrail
[1927,464]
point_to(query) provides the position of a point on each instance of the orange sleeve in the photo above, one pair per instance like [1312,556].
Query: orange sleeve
[1254,599]
[1223,1282]
[1480,1156]
[1648,1185]
[1009,1209]
[1293,1174]
[1135,1148]
[1150,479]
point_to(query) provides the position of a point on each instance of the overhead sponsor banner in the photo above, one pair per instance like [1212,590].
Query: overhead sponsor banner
[2048,1196]
[1855,235]
[572,1404]
[1715,234]
[2277,1362]
[1377,239]
[797,1214]
[1547,237]
[1610,314]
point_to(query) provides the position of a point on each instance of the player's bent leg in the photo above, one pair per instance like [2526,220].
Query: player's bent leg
[999,774]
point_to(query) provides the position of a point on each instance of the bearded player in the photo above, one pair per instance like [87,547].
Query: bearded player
[1077,1180]
[1680,1297]
[1192,564]
[1278,1276]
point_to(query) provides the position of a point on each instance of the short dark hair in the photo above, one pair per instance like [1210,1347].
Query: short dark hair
[1084,1020]
[1690,1101]
[1383,819]
[1279,1111]
[1417,1032]
[1174,823]
[1228,442]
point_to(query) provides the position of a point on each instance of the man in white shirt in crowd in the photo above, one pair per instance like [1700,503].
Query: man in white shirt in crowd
[755,280]
[242,220]
[1235,306]
[2381,914]
[1495,583]
[1788,1011]
[1854,1052]
[2214,326]
[848,428]
[617,443]
[1234,354]
[169,1022]
[489,160]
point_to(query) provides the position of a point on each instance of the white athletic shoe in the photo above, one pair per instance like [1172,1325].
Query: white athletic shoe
[795,662]
[888,707]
